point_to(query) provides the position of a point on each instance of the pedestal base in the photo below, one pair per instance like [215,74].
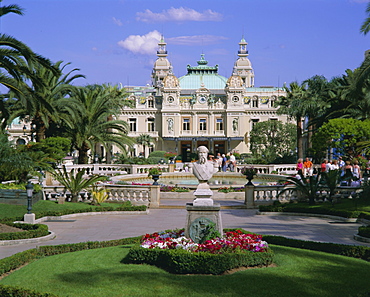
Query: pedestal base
[29,218]
[199,217]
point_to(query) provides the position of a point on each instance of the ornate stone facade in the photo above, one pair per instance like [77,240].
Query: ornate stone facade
[201,107]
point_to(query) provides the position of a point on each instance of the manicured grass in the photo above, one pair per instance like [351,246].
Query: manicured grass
[17,211]
[101,273]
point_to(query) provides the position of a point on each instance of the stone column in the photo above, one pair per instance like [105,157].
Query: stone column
[249,196]
[155,192]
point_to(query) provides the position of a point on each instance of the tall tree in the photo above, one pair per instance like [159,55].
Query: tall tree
[43,100]
[16,60]
[86,121]
[272,139]
[291,104]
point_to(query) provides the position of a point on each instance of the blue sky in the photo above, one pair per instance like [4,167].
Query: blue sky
[115,41]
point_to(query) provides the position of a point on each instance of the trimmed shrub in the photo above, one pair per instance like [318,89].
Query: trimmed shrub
[180,261]
[364,231]
[159,154]
[31,231]
[8,291]
[318,210]
[353,251]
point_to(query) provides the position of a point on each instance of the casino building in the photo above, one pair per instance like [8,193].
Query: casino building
[200,108]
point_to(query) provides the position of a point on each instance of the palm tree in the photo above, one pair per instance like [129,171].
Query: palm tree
[144,140]
[365,28]
[315,104]
[76,182]
[85,117]
[332,181]
[307,187]
[16,60]
[291,104]
[43,100]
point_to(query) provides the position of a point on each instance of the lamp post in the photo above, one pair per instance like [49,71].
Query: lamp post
[29,189]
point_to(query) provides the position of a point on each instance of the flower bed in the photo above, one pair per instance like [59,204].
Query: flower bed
[175,253]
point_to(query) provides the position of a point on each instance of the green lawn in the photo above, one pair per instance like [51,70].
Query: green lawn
[17,211]
[101,273]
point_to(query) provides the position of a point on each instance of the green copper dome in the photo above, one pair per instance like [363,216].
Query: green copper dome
[202,76]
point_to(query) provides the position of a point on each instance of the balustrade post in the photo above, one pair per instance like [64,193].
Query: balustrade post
[249,196]
[155,192]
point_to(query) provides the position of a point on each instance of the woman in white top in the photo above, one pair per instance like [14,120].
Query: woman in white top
[356,170]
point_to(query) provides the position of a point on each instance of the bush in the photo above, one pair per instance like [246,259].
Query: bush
[8,291]
[364,231]
[158,154]
[156,160]
[316,210]
[361,252]
[32,231]
[180,261]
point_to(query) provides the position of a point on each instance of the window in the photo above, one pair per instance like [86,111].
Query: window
[186,124]
[273,101]
[219,124]
[150,102]
[132,123]
[254,121]
[150,124]
[255,101]
[202,124]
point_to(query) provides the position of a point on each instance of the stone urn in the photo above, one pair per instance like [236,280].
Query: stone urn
[155,177]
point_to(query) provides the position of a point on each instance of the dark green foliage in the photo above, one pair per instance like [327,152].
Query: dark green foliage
[353,251]
[8,291]
[364,231]
[313,210]
[159,154]
[56,213]
[31,231]
[180,261]
[272,139]
[54,148]
[156,160]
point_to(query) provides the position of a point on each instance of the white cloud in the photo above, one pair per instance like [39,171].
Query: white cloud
[195,39]
[117,21]
[142,44]
[178,15]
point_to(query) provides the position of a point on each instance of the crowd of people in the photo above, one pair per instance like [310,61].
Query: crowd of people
[225,162]
[350,171]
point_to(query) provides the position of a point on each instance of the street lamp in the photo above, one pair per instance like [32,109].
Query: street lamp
[29,189]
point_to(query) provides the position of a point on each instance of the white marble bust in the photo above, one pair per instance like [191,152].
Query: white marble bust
[203,169]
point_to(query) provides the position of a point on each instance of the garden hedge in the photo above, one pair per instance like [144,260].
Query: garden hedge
[180,261]
[54,213]
[8,291]
[31,231]
[364,231]
[323,211]
[353,251]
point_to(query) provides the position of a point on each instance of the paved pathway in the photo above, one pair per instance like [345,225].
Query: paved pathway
[107,227]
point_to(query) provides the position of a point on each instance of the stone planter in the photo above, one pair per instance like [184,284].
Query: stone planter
[18,197]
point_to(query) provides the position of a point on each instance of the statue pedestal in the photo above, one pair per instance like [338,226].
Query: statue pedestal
[203,195]
[199,217]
